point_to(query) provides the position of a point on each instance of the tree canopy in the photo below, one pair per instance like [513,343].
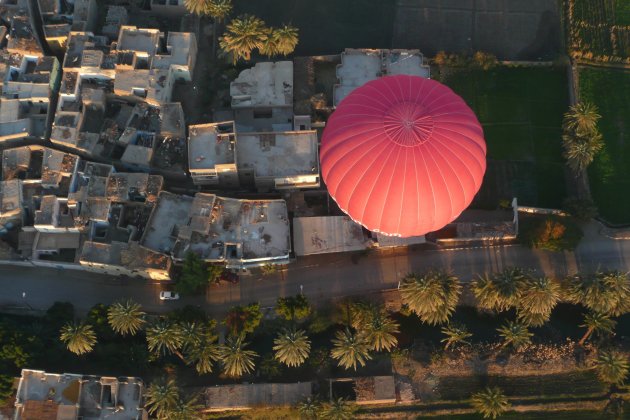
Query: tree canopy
[432,296]
[194,276]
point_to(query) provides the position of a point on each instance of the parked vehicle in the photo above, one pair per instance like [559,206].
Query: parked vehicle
[168,295]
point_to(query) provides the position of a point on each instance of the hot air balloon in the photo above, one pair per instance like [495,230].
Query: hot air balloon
[403,155]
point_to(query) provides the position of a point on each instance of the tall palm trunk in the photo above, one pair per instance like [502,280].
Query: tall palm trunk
[586,335]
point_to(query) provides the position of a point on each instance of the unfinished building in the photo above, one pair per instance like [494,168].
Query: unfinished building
[50,396]
[28,84]
[107,106]
[238,233]
[218,156]
[76,212]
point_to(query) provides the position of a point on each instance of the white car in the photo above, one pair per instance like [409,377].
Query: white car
[166,295]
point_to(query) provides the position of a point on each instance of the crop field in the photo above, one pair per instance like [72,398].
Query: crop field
[609,176]
[573,384]
[601,27]
[521,110]
[328,26]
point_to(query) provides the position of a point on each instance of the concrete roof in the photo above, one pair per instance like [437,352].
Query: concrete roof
[279,154]
[208,147]
[10,200]
[45,241]
[322,235]
[154,81]
[178,45]
[359,66]
[207,224]
[172,120]
[386,241]
[91,397]
[138,155]
[101,253]
[236,396]
[169,211]
[132,38]
[125,186]
[264,85]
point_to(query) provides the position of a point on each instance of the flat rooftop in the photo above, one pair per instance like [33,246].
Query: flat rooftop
[278,154]
[327,234]
[266,84]
[178,46]
[145,40]
[218,228]
[359,66]
[210,145]
[170,211]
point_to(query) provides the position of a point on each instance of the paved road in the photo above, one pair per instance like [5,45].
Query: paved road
[321,277]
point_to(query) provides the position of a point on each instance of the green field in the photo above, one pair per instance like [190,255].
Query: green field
[622,12]
[521,110]
[535,415]
[609,175]
[592,24]
[328,26]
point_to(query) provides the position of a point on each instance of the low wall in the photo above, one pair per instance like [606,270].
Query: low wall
[540,210]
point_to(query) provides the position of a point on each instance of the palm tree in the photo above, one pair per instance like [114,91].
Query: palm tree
[499,291]
[309,408]
[606,292]
[455,334]
[126,317]
[203,352]
[286,39]
[186,409]
[219,9]
[432,296]
[165,337]
[538,298]
[236,360]
[191,333]
[243,35]
[515,334]
[79,338]
[197,7]
[597,323]
[582,118]
[292,347]
[350,349]
[269,48]
[379,331]
[338,409]
[612,367]
[161,397]
[580,151]
[491,402]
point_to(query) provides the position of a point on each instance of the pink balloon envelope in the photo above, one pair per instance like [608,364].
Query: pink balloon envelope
[403,155]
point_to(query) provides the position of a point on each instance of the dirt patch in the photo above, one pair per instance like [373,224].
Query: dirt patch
[539,369]
[510,29]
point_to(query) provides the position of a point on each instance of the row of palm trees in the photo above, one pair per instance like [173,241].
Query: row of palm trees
[217,9]
[369,328]
[581,140]
[433,297]
[247,33]
[195,343]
